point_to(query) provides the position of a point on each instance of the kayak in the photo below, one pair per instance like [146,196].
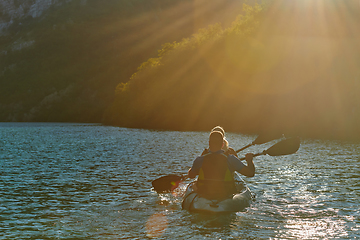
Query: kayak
[238,202]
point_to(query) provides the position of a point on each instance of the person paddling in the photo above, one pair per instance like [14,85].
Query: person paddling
[227,150]
[215,170]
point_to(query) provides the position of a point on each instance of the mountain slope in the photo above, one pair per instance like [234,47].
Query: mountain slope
[63,61]
[288,66]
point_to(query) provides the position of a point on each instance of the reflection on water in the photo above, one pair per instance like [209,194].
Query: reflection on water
[87,181]
[156,225]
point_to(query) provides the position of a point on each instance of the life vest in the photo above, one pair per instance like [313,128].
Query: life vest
[215,180]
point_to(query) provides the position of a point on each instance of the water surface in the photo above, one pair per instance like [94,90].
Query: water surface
[88,181]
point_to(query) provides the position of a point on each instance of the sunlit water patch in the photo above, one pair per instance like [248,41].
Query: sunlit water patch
[88,181]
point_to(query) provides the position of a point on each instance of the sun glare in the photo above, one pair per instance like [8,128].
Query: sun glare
[301,57]
[307,38]
[314,229]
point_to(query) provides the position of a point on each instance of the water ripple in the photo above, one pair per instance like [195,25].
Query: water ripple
[88,181]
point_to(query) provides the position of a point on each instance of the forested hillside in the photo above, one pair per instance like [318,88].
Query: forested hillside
[64,64]
[287,66]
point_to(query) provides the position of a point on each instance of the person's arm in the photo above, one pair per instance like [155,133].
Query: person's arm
[194,170]
[248,170]
[191,174]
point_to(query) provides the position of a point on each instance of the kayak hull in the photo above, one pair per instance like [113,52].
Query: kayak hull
[238,202]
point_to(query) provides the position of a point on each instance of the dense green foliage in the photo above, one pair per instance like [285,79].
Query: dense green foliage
[276,68]
[179,89]
[78,52]
[287,66]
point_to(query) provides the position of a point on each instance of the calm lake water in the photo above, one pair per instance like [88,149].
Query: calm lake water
[88,181]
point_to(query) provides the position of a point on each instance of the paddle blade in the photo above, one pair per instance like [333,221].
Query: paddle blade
[264,138]
[284,147]
[166,183]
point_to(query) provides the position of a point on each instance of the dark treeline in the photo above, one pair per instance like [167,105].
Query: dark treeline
[287,66]
[65,65]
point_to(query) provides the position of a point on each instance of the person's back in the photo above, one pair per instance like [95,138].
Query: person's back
[216,170]
[215,179]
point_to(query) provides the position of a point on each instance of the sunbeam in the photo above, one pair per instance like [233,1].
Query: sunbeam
[291,65]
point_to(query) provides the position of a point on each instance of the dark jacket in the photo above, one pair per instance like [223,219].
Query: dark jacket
[215,180]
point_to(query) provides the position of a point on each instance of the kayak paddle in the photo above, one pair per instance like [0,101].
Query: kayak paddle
[285,147]
[262,139]
[167,183]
